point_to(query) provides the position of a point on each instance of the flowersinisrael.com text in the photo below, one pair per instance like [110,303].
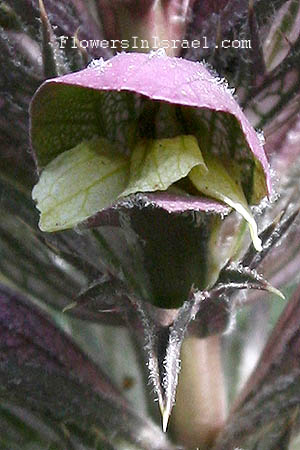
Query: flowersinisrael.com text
[135,43]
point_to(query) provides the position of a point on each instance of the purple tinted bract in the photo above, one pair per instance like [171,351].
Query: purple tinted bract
[171,203]
[158,77]
[173,80]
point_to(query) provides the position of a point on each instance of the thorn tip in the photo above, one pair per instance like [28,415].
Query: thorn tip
[165,420]
[275,291]
[165,411]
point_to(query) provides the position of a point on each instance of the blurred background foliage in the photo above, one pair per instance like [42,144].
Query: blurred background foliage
[51,271]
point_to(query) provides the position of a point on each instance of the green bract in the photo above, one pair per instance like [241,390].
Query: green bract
[220,184]
[78,183]
[158,163]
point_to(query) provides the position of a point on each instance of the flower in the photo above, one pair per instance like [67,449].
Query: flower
[180,129]
[89,170]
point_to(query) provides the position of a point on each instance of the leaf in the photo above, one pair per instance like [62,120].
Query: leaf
[218,183]
[267,408]
[270,237]
[21,429]
[156,164]
[218,23]
[54,63]
[273,102]
[282,35]
[44,372]
[56,267]
[79,183]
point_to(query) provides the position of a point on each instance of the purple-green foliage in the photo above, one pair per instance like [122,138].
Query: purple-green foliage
[52,394]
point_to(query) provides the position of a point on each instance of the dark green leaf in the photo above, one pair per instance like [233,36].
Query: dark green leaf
[42,370]
[268,407]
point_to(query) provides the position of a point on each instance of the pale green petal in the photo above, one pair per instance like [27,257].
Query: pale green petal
[78,183]
[217,183]
[156,164]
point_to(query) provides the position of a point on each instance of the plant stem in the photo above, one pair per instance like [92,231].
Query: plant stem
[161,20]
[200,407]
